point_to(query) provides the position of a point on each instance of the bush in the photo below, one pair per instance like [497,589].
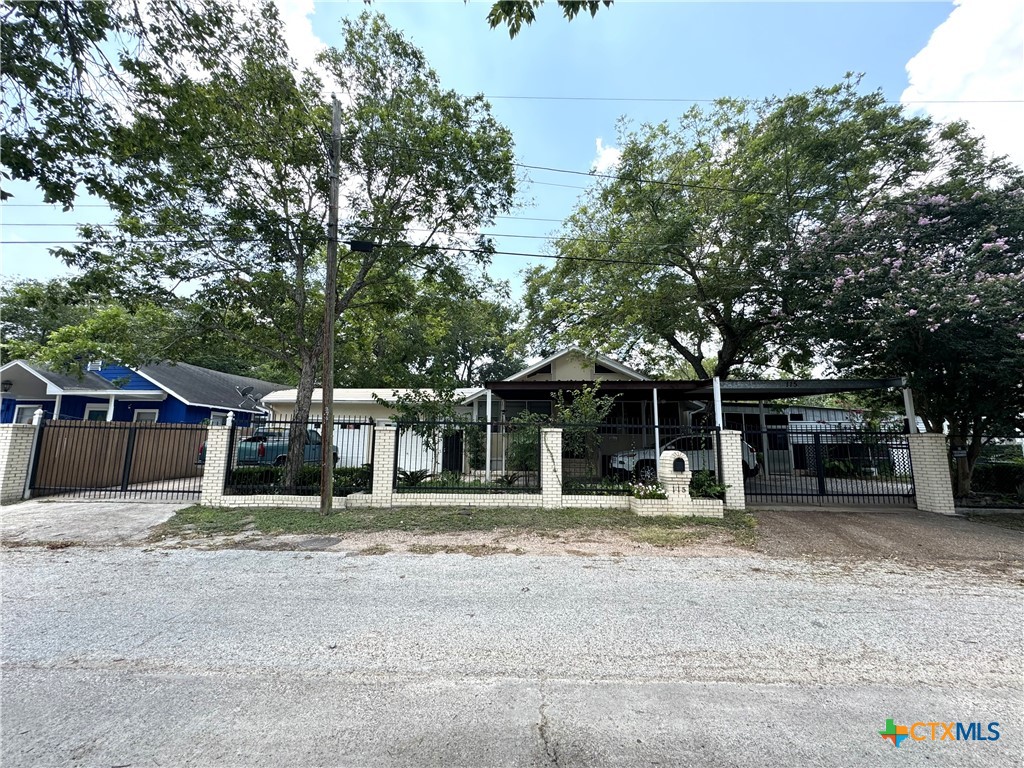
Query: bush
[998,478]
[703,485]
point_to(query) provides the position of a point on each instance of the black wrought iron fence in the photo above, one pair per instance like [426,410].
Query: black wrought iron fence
[997,478]
[438,456]
[610,459]
[259,458]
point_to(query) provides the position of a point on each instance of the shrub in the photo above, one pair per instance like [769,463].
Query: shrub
[412,477]
[703,485]
[998,478]
[648,491]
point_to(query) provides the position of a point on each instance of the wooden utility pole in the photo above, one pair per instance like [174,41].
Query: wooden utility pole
[330,300]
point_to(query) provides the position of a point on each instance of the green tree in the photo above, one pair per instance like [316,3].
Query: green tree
[515,13]
[68,68]
[30,310]
[227,181]
[932,287]
[685,255]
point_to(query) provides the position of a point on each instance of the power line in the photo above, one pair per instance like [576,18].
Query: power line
[748,100]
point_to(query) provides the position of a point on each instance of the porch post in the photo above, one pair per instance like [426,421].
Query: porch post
[764,433]
[56,407]
[716,385]
[657,425]
[487,471]
[110,409]
[908,406]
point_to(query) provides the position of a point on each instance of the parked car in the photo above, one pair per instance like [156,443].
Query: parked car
[642,465]
[269,446]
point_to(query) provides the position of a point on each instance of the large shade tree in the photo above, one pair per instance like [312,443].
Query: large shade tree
[932,286]
[227,181]
[685,254]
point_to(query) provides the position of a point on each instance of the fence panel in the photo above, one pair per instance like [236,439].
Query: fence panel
[438,456]
[118,460]
[819,464]
[997,479]
[607,459]
[259,457]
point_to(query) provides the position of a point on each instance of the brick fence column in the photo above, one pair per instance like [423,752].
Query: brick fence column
[211,491]
[933,485]
[385,443]
[551,468]
[732,469]
[16,441]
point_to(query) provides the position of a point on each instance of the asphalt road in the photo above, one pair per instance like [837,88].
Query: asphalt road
[129,657]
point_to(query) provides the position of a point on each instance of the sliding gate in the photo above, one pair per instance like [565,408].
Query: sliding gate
[824,465]
[117,460]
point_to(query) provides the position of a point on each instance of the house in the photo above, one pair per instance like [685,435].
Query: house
[175,393]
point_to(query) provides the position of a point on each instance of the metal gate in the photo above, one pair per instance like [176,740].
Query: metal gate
[117,460]
[825,465]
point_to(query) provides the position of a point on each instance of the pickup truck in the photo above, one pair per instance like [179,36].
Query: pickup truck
[269,446]
[641,464]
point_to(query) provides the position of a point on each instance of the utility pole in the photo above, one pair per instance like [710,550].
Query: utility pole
[330,300]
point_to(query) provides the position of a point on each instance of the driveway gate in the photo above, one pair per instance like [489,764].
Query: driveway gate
[117,460]
[822,464]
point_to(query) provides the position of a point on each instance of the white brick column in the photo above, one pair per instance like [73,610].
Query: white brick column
[933,485]
[731,474]
[211,491]
[16,442]
[551,468]
[385,442]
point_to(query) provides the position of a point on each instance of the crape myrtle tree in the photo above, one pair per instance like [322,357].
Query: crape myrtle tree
[684,255]
[228,181]
[932,286]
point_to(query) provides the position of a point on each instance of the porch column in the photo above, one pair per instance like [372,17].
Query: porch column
[56,407]
[716,386]
[110,409]
[657,427]
[908,406]
[487,471]
[764,434]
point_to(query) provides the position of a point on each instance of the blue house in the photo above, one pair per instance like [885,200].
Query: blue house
[176,393]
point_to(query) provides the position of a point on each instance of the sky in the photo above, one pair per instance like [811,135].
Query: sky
[561,87]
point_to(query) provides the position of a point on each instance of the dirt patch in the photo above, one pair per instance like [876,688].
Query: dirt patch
[910,537]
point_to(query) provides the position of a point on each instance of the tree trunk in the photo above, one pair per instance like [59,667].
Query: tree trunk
[300,418]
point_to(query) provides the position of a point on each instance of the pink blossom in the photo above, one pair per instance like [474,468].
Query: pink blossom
[911,312]
[923,221]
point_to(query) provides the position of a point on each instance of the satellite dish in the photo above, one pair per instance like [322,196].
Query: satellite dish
[248,395]
[243,391]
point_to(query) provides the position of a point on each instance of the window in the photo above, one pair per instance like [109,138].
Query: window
[218,419]
[96,412]
[514,408]
[146,414]
[23,413]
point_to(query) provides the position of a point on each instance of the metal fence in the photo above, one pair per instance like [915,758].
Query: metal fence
[607,459]
[117,460]
[438,456]
[997,478]
[822,464]
[259,457]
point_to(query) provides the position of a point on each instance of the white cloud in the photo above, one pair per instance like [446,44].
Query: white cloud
[977,54]
[303,44]
[606,157]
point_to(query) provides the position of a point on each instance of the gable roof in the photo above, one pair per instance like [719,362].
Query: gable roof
[203,387]
[67,383]
[604,360]
[361,396]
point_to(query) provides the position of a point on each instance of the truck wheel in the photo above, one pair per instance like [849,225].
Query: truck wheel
[749,472]
[280,461]
[646,472]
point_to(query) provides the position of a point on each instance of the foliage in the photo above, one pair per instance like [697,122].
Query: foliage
[272,480]
[685,254]
[68,70]
[648,491]
[1006,479]
[606,486]
[508,480]
[523,446]
[30,310]
[514,13]
[933,287]
[579,413]
[476,446]
[412,477]
[703,485]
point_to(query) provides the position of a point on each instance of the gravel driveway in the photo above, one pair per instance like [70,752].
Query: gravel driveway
[126,656]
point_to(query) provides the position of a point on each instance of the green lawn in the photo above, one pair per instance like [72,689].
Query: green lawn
[660,531]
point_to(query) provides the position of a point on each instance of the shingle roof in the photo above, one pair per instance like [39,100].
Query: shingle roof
[203,386]
[69,382]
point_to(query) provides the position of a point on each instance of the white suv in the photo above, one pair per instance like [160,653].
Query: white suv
[642,464]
